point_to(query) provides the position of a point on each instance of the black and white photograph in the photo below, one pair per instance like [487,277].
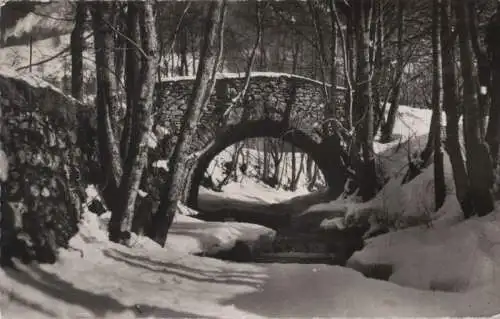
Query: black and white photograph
[249,159]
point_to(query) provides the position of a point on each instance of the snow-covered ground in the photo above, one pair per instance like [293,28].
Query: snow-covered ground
[104,280]
[446,267]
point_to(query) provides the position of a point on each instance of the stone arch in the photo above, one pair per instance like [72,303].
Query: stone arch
[328,162]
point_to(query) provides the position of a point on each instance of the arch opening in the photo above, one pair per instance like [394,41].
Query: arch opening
[327,169]
[273,163]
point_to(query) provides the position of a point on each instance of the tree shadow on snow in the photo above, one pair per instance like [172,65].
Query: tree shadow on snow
[147,311]
[15,298]
[98,305]
[53,286]
[221,276]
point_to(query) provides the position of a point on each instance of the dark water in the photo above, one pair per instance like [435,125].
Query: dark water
[290,245]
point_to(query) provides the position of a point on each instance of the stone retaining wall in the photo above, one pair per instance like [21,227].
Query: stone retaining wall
[42,194]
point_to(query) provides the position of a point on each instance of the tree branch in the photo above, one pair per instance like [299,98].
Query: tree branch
[60,53]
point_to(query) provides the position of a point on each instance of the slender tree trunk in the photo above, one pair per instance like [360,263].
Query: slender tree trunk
[483,67]
[388,127]
[293,185]
[106,101]
[378,68]
[183,52]
[309,168]
[333,59]
[329,110]
[350,75]
[450,106]
[132,87]
[425,156]
[479,166]
[119,52]
[368,181]
[203,86]
[493,43]
[314,177]
[193,53]
[31,54]
[77,43]
[265,165]
[437,100]
[121,220]
[299,173]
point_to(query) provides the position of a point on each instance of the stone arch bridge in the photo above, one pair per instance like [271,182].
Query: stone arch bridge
[47,148]
[275,105]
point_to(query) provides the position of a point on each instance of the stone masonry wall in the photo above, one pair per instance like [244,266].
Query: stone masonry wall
[42,195]
[280,97]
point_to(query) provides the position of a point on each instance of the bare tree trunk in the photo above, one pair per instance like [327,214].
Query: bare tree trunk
[265,165]
[493,43]
[119,52]
[294,170]
[450,106]
[437,100]
[368,181]
[378,68]
[333,59]
[425,155]
[106,102]
[483,68]
[388,126]
[309,167]
[193,53]
[299,173]
[132,87]
[203,86]
[31,54]
[315,176]
[142,122]
[349,71]
[77,52]
[329,110]
[479,166]
[277,157]
[183,52]
[232,169]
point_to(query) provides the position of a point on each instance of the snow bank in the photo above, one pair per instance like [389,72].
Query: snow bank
[191,235]
[397,205]
[187,234]
[459,257]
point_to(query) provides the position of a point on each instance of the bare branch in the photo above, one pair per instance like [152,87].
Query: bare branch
[60,53]
[242,93]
